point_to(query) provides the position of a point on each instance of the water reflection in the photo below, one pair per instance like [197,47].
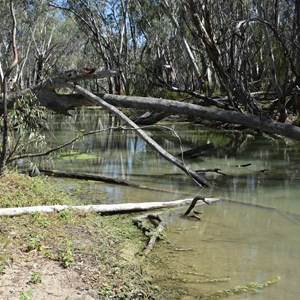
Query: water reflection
[252,239]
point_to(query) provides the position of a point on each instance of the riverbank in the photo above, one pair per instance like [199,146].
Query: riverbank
[70,254]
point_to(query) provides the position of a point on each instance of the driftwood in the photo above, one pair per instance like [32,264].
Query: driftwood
[194,202]
[215,170]
[156,232]
[102,208]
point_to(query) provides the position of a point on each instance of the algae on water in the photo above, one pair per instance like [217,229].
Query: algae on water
[251,287]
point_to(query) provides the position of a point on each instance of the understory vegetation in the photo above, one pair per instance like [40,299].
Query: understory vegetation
[104,250]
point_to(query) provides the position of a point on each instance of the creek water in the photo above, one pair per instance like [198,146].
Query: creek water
[251,238]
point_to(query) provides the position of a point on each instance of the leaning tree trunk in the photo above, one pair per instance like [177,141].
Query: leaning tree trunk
[180,164]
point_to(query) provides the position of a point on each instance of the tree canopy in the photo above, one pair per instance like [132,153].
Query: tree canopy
[239,56]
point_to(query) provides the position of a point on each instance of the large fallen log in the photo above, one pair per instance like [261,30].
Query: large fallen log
[47,96]
[102,208]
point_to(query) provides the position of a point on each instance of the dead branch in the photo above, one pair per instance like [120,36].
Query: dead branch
[153,226]
[157,233]
[47,152]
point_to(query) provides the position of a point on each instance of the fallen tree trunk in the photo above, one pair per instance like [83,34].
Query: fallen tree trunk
[62,103]
[51,99]
[176,107]
[103,208]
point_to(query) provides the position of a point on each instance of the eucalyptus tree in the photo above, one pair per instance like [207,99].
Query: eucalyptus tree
[108,29]
[5,77]
[44,43]
[251,46]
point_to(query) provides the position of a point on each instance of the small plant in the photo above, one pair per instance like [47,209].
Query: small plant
[26,295]
[67,256]
[36,277]
[36,243]
[65,214]
[2,272]
[106,290]
[4,260]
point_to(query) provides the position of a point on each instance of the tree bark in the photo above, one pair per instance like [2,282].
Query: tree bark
[103,208]
[5,90]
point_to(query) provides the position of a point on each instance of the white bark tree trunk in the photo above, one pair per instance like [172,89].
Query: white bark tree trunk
[103,208]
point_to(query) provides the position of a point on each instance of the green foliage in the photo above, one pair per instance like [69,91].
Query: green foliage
[66,256]
[65,214]
[18,190]
[26,121]
[26,295]
[36,243]
[36,277]
[105,290]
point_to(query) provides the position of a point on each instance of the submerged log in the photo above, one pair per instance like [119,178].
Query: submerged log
[195,152]
[155,233]
[88,176]
[102,178]
[102,208]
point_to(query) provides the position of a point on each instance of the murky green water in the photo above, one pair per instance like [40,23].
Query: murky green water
[254,238]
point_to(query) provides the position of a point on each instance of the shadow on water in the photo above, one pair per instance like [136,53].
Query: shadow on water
[253,238]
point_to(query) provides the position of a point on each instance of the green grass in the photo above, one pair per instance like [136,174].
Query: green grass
[105,250]
[18,190]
